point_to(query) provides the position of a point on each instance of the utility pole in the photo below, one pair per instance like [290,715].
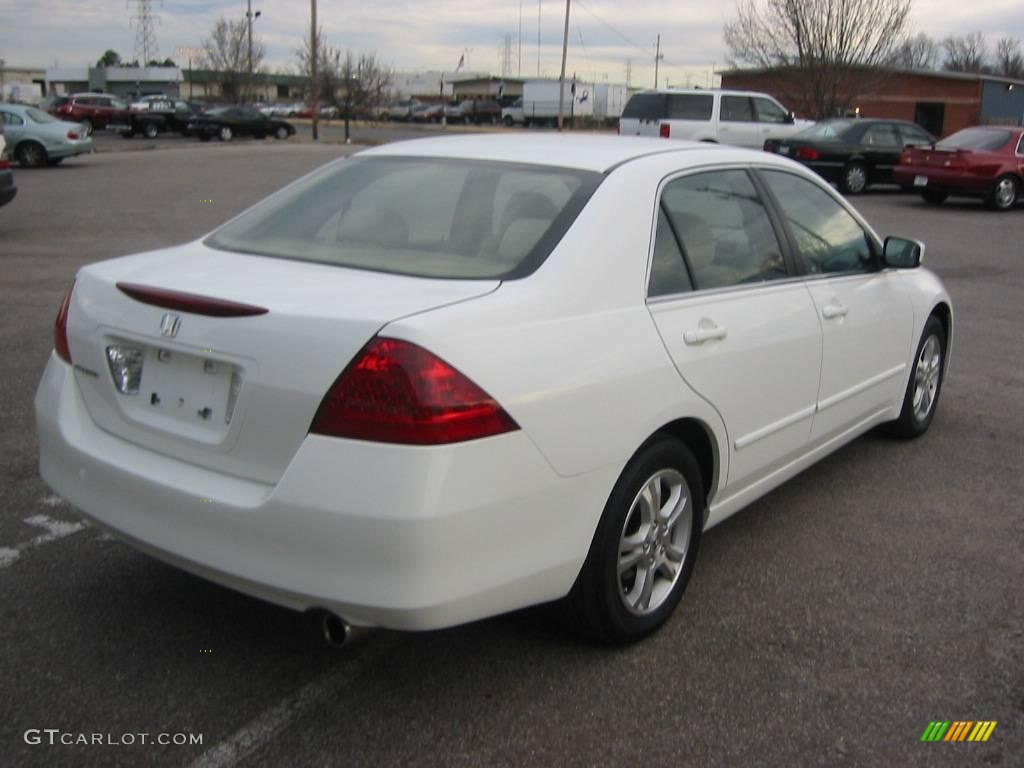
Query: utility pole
[629,72]
[249,17]
[519,58]
[314,83]
[538,38]
[657,60]
[561,77]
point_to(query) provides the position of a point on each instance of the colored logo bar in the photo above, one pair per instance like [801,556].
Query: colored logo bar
[958,730]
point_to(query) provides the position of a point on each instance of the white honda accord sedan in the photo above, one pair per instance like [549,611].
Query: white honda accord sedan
[449,378]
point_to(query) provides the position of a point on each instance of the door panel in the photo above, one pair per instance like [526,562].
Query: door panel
[755,355]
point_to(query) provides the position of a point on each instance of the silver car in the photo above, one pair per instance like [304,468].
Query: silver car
[35,138]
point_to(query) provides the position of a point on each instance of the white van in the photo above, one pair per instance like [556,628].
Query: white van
[740,118]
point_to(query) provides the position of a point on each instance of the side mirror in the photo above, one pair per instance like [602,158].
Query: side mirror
[902,253]
[790,118]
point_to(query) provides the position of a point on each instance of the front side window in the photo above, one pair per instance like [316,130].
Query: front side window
[737,109]
[828,238]
[769,112]
[426,217]
[723,229]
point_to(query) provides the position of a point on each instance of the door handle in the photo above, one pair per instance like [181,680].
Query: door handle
[705,331]
[833,310]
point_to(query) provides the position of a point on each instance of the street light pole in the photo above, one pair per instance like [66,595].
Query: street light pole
[249,17]
[313,83]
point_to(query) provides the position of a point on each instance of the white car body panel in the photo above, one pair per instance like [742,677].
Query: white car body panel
[575,353]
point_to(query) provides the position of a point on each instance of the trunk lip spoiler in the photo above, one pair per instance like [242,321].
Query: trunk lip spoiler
[192,303]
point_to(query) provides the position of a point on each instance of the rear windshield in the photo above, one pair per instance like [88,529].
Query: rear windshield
[978,139]
[426,217]
[645,106]
[831,130]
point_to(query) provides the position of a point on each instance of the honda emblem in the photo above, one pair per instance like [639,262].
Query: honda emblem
[169,325]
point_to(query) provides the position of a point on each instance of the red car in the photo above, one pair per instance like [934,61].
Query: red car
[984,161]
[93,110]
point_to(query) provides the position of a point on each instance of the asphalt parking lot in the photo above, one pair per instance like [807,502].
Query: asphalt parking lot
[827,624]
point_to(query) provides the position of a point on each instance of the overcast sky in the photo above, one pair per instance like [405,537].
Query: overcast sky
[433,34]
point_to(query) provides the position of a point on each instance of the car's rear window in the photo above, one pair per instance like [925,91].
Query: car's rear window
[426,217]
[978,139]
[645,106]
[690,106]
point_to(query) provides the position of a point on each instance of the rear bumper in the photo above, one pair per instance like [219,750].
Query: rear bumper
[394,536]
[940,178]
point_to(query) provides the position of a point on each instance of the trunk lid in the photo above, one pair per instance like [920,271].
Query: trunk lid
[231,393]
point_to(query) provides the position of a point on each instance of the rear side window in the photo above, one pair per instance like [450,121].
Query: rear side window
[690,106]
[723,229]
[882,136]
[645,106]
[828,238]
[426,217]
[737,109]
[669,274]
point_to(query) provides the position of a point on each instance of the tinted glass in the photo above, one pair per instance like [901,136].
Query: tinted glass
[417,216]
[12,119]
[645,106]
[690,106]
[726,235]
[769,112]
[668,270]
[827,130]
[828,238]
[882,136]
[911,134]
[737,109]
[980,139]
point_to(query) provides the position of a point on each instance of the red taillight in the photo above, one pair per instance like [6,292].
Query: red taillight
[397,392]
[665,130]
[806,153]
[60,328]
[73,135]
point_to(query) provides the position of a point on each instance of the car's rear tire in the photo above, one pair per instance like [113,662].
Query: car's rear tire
[150,131]
[281,133]
[30,154]
[925,385]
[225,133]
[1003,195]
[643,552]
[934,196]
[854,179]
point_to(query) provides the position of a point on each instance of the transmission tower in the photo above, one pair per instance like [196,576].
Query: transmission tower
[143,22]
[506,56]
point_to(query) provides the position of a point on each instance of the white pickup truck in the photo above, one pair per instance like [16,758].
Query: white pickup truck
[740,118]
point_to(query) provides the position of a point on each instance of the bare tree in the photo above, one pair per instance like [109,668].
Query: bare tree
[1009,61]
[832,50]
[965,54]
[349,83]
[227,52]
[918,52]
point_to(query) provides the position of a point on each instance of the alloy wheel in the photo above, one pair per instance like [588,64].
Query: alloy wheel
[654,541]
[856,178]
[1005,193]
[926,377]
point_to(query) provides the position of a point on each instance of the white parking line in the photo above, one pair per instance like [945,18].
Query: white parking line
[261,730]
[55,529]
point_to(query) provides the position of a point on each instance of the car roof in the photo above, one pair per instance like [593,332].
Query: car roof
[591,152]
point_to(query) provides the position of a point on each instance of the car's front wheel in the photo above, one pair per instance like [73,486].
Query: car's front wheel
[1004,194]
[922,393]
[645,546]
[225,133]
[855,178]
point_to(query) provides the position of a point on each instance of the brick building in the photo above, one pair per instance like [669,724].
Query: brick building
[941,102]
